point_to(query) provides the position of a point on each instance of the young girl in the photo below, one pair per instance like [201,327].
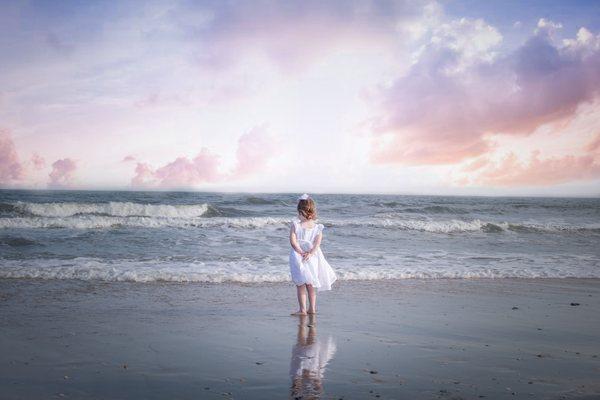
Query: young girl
[308,266]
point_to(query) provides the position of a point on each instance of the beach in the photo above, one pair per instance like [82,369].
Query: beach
[413,338]
[152,295]
[178,179]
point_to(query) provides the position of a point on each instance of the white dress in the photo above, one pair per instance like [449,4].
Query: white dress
[315,271]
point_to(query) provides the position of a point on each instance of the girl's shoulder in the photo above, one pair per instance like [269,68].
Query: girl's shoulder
[319,227]
[296,223]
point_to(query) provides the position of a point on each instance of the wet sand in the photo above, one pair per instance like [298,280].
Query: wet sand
[442,339]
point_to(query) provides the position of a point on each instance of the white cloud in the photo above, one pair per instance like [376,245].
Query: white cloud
[547,26]
[472,39]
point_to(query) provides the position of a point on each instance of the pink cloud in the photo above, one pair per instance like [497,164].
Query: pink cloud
[37,161]
[185,172]
[538,172]
[11,168]
[475,164]
[255,149]
[62,173]
[182,172]
[144,175]
[594,145]
[442,111]
[128,158]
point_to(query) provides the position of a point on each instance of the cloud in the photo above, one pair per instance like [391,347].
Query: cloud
[292,34]
[472,40]
[11,169]
[38,162]
[547,27]
[255,148]
[594,145]
[510,171]
[62,173]
[456,95]
[128,158]
[185,172]
[451,90]
[144,176]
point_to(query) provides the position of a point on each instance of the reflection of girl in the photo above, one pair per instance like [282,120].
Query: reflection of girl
[310,355]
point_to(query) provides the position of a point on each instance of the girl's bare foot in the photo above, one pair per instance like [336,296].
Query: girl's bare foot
[312,312]
[298,313]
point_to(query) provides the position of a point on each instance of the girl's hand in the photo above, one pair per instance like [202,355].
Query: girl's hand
[307,255]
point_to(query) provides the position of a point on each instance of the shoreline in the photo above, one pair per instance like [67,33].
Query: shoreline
[289,283]
[434,338]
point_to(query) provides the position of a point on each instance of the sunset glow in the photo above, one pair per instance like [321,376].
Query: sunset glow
[453,97]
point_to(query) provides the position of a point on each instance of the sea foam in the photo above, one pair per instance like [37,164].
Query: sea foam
[243,271]
[118,209]
[147,216]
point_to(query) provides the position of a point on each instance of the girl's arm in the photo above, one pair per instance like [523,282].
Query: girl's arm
[294,241]
[316,245]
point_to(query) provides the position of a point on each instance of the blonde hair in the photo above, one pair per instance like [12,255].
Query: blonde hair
[307,208]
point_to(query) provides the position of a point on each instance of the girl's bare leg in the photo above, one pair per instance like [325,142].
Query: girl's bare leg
[301,292]
[312,295]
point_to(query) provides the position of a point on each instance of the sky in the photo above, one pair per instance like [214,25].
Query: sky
[414,97]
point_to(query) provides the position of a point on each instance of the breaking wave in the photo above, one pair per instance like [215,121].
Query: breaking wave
[477,225]
[90,269]
[117,209]
[103,222]
[130,215]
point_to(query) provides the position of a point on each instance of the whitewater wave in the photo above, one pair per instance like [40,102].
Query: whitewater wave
[103,222]
[89,269]
[116,209]
[477,225]
[452,226]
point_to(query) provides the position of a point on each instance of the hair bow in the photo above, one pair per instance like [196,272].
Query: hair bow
[304,197]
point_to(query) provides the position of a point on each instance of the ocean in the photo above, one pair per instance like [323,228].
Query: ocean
[223,237]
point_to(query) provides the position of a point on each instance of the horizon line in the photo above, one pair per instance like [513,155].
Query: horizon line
[348,193]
